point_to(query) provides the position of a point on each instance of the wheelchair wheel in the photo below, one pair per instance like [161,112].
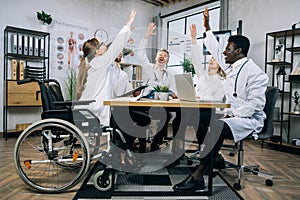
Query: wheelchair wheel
[51,155]
[101,182]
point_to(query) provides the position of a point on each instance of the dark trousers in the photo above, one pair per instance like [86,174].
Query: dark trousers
[215,138]
[133,122]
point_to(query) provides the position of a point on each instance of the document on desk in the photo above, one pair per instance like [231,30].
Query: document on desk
[128,98]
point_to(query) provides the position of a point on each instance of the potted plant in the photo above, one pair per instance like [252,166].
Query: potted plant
[45,18]
[188,66]
[161,92]
[279,50]
[71,84]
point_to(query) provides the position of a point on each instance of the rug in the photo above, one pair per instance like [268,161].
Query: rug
[153,186]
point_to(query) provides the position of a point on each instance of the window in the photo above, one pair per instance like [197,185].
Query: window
[177,38]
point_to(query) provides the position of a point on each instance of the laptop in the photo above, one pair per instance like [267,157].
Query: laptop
[185,87]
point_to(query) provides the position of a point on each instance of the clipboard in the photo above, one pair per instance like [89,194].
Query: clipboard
[127,94]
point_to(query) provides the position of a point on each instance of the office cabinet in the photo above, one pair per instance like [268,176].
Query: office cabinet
[26,55]
[281,56]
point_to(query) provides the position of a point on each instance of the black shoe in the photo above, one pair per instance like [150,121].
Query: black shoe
[142,149]
[189,185]
[155,147]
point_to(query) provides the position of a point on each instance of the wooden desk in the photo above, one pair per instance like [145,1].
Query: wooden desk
[125,102]
[168,104]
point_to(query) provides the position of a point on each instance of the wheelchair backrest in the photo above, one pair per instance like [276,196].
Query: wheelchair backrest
[51,92]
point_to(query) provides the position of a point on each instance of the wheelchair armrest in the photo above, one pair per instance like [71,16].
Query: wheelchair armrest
[70,103]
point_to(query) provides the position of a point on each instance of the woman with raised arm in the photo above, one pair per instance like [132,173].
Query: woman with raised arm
[93,76]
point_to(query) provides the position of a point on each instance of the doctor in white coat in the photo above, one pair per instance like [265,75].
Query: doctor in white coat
[245,85]
[93,76]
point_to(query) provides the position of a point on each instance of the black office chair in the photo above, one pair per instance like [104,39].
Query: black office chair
[265,134]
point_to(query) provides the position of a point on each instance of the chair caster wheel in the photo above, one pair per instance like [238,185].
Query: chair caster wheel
[269,182]
[237,186]
[100,184]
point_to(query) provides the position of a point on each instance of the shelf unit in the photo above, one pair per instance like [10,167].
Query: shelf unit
[280,70]
[136,76]
[26,55]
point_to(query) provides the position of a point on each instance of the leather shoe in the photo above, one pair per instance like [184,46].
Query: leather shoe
[189,184]
[155,147]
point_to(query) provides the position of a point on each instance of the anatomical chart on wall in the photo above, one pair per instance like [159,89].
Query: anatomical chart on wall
[67,38]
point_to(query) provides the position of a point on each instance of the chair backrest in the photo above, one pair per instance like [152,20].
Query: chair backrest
[271,97]
[51,92]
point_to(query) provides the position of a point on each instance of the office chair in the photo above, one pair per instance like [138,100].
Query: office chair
[266,133]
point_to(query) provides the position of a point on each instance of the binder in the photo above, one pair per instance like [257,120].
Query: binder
[30,45]
[36,46]
[21,70]
[14,43]
[14,69]
[42,47]
[25,44]
[20,44]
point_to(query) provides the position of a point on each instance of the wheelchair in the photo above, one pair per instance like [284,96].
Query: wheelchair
[54,154]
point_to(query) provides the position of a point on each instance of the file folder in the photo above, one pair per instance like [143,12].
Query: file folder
[36,46]
[25,44]
[14,69]
[20,44]
[14,43]
[30,45]
[21,69]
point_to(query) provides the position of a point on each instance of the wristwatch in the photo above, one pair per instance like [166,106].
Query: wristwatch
[101,34]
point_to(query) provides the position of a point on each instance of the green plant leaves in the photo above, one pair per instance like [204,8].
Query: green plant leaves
[44,17]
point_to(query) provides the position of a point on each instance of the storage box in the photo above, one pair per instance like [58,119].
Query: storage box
[22,127]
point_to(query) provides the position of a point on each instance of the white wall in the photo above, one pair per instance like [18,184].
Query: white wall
[110,15]
[259,17]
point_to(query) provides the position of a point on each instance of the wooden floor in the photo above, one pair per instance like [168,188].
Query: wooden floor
[283,166]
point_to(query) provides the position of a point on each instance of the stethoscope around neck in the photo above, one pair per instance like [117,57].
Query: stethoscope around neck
[162,79]
[236,79]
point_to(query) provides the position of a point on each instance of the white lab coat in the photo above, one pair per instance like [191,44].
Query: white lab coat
[152,73]
[247,107]
[96,86]
[208,87]
[119,82]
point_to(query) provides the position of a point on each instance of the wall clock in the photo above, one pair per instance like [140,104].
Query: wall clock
[101,34]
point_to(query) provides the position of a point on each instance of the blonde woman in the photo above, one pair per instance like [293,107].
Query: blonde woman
[93,76]
[210,84]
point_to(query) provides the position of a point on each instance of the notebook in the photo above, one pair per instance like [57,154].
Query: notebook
[185,87]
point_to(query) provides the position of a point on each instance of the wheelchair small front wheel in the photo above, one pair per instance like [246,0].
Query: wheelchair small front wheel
[51,155]
[103,183]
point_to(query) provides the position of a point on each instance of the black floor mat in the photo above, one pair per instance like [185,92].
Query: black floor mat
[153,186]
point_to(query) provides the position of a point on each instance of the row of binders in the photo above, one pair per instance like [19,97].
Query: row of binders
[20,72]
[27,45]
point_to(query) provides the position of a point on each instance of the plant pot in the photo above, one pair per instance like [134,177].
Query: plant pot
[164,96]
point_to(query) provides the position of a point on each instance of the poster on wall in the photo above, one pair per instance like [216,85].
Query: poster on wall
[67,38]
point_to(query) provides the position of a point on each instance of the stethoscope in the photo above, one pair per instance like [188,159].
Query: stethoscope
[236,79]
[156,79]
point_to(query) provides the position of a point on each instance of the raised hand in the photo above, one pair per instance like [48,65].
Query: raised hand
[150,30]
[206,19]
[193,32]
[131,18]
